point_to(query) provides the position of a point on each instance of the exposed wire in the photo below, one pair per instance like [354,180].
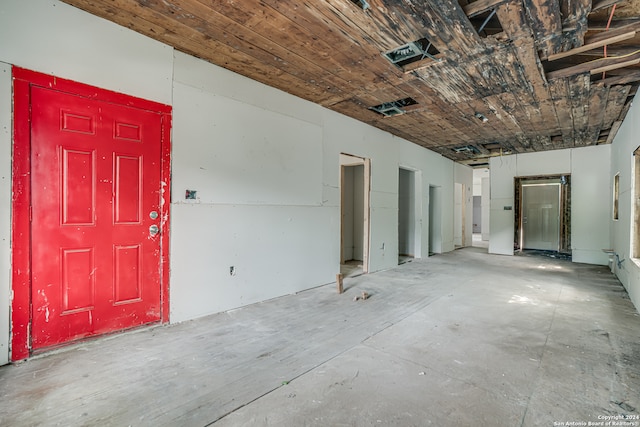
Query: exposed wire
[626,55]
[613,9]
[486,21]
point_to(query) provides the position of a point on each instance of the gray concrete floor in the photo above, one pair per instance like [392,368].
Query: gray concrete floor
[460,339]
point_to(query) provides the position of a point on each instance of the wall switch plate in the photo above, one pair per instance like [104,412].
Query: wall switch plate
[507,208]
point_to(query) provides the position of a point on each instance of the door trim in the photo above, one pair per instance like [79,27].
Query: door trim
[23,80]
[351,160]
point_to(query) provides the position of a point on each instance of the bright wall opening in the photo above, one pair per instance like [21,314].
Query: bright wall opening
[459,215]
[354,211]
[435,220]
[409,214]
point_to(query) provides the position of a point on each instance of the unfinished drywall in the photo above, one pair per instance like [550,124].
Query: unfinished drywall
[622,230]
[590,197]
[5,209]
[297,179]
[264,164]
[55,38]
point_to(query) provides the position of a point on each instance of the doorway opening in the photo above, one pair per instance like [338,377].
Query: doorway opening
[435,220]
[409,215]
[543,214]
[459,216]
[354,214]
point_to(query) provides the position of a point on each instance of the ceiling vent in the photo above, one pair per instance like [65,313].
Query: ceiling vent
[411,52]
[394,108]
[362,3]
[466,149]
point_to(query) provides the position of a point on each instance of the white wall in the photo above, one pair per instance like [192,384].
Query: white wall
[279,239]
[590,197]
[622,160]
[5,211]
[265,164]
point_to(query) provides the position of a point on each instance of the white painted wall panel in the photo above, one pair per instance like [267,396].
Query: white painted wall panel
[544,163]
[198,74]
[590,197]
[265,164]
[5,209]
[622,160]
[230,152]
[54,38]
[590,204]
[501,220]
[503,169]
[275,250]
[384,242]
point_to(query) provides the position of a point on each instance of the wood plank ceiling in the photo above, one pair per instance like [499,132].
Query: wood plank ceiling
[468,80]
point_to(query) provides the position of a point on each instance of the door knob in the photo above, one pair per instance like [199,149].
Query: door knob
[153,230]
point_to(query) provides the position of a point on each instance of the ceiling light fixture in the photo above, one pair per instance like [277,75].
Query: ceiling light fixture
[481,117]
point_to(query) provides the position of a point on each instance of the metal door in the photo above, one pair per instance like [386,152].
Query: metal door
[95,251]
[541,216]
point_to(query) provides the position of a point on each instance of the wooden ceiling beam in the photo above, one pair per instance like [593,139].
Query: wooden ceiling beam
[622,79]
[594,67]
[603,4]
[599,40]
[601,25]
[616,65]
[612,51]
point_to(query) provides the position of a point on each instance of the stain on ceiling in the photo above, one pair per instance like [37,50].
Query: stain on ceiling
[468,80]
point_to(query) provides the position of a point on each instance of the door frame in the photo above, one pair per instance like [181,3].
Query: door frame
[416,226]
[347,160]
[565,209]
[23,79]
[523,201]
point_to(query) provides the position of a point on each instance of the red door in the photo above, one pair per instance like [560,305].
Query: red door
[96,203]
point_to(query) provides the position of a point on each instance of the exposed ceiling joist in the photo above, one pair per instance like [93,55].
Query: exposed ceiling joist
[332,53]
[599,40]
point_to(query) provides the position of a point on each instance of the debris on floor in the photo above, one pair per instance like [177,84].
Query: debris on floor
[625,406]
[362,297]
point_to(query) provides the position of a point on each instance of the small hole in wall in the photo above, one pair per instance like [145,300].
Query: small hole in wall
[190,194]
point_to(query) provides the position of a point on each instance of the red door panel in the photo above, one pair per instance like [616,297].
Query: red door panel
[95,183]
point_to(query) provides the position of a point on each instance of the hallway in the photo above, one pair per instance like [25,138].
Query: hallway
[463,338]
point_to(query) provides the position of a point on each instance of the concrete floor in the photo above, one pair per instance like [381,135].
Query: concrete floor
[459,339]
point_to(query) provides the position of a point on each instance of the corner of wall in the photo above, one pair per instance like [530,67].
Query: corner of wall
[5,210]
